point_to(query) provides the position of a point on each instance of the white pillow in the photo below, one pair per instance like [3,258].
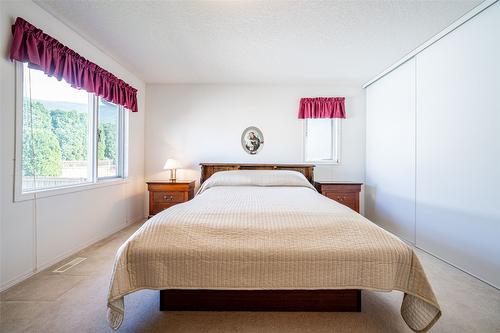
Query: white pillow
[256,178]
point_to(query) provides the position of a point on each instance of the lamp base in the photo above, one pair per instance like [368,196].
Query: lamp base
[173,176]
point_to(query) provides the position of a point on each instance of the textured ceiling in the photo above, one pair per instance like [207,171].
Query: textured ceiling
[257,41]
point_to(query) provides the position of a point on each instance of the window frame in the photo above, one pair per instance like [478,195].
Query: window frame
[336,127]
[94,181]
[122,113]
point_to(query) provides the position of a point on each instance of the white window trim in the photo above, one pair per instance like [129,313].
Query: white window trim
[336,122]
[122,118]
[94,181]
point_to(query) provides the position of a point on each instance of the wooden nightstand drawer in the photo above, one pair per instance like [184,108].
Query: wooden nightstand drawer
[344,193]
[159,206]
[348,199]
[169,197]
[163,195]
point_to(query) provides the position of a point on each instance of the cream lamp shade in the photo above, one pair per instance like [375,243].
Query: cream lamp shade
[172,165]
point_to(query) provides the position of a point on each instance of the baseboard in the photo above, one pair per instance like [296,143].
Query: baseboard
[68,254]
[18,279]
[136,219]
[446,261]
[459,268]
[78,248]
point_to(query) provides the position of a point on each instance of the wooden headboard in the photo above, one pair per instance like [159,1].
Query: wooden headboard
[208,169]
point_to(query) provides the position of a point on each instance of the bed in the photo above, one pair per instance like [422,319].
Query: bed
[265,239]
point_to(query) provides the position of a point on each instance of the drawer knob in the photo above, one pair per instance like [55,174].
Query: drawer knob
[168,197]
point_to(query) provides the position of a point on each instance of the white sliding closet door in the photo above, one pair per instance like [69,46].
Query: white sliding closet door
[390,152]
[458,147]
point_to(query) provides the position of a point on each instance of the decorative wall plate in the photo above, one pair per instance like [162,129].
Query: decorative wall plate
[252,140]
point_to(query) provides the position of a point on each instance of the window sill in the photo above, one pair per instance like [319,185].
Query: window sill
[69,189]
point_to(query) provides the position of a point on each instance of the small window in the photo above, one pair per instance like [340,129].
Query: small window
[321,140]
[108,139]
[68,137]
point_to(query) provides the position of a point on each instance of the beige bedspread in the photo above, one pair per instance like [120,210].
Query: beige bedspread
[258,237]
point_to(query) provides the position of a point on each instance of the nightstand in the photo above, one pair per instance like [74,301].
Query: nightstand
[346,193]
[165,194]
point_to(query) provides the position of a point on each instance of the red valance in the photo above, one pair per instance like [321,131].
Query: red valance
[41,51]
[322,107]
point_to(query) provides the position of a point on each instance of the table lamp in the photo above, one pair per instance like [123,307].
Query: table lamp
[172,165]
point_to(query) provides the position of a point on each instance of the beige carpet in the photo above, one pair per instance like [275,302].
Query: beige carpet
[75,301]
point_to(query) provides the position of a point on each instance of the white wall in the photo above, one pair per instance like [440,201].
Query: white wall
[456,142]
[36,233]
[203,123]
[390,152]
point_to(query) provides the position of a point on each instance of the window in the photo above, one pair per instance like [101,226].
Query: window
[109,143]
[67,136]
[321,140]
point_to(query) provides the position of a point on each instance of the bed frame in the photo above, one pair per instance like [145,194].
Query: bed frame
[330,300]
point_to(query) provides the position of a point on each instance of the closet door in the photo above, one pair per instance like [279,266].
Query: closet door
[458,147]
[390,152]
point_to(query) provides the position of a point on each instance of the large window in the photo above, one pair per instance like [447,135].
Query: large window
[68,136]
[321,140]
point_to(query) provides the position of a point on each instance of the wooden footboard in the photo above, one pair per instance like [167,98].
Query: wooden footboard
[260,300]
